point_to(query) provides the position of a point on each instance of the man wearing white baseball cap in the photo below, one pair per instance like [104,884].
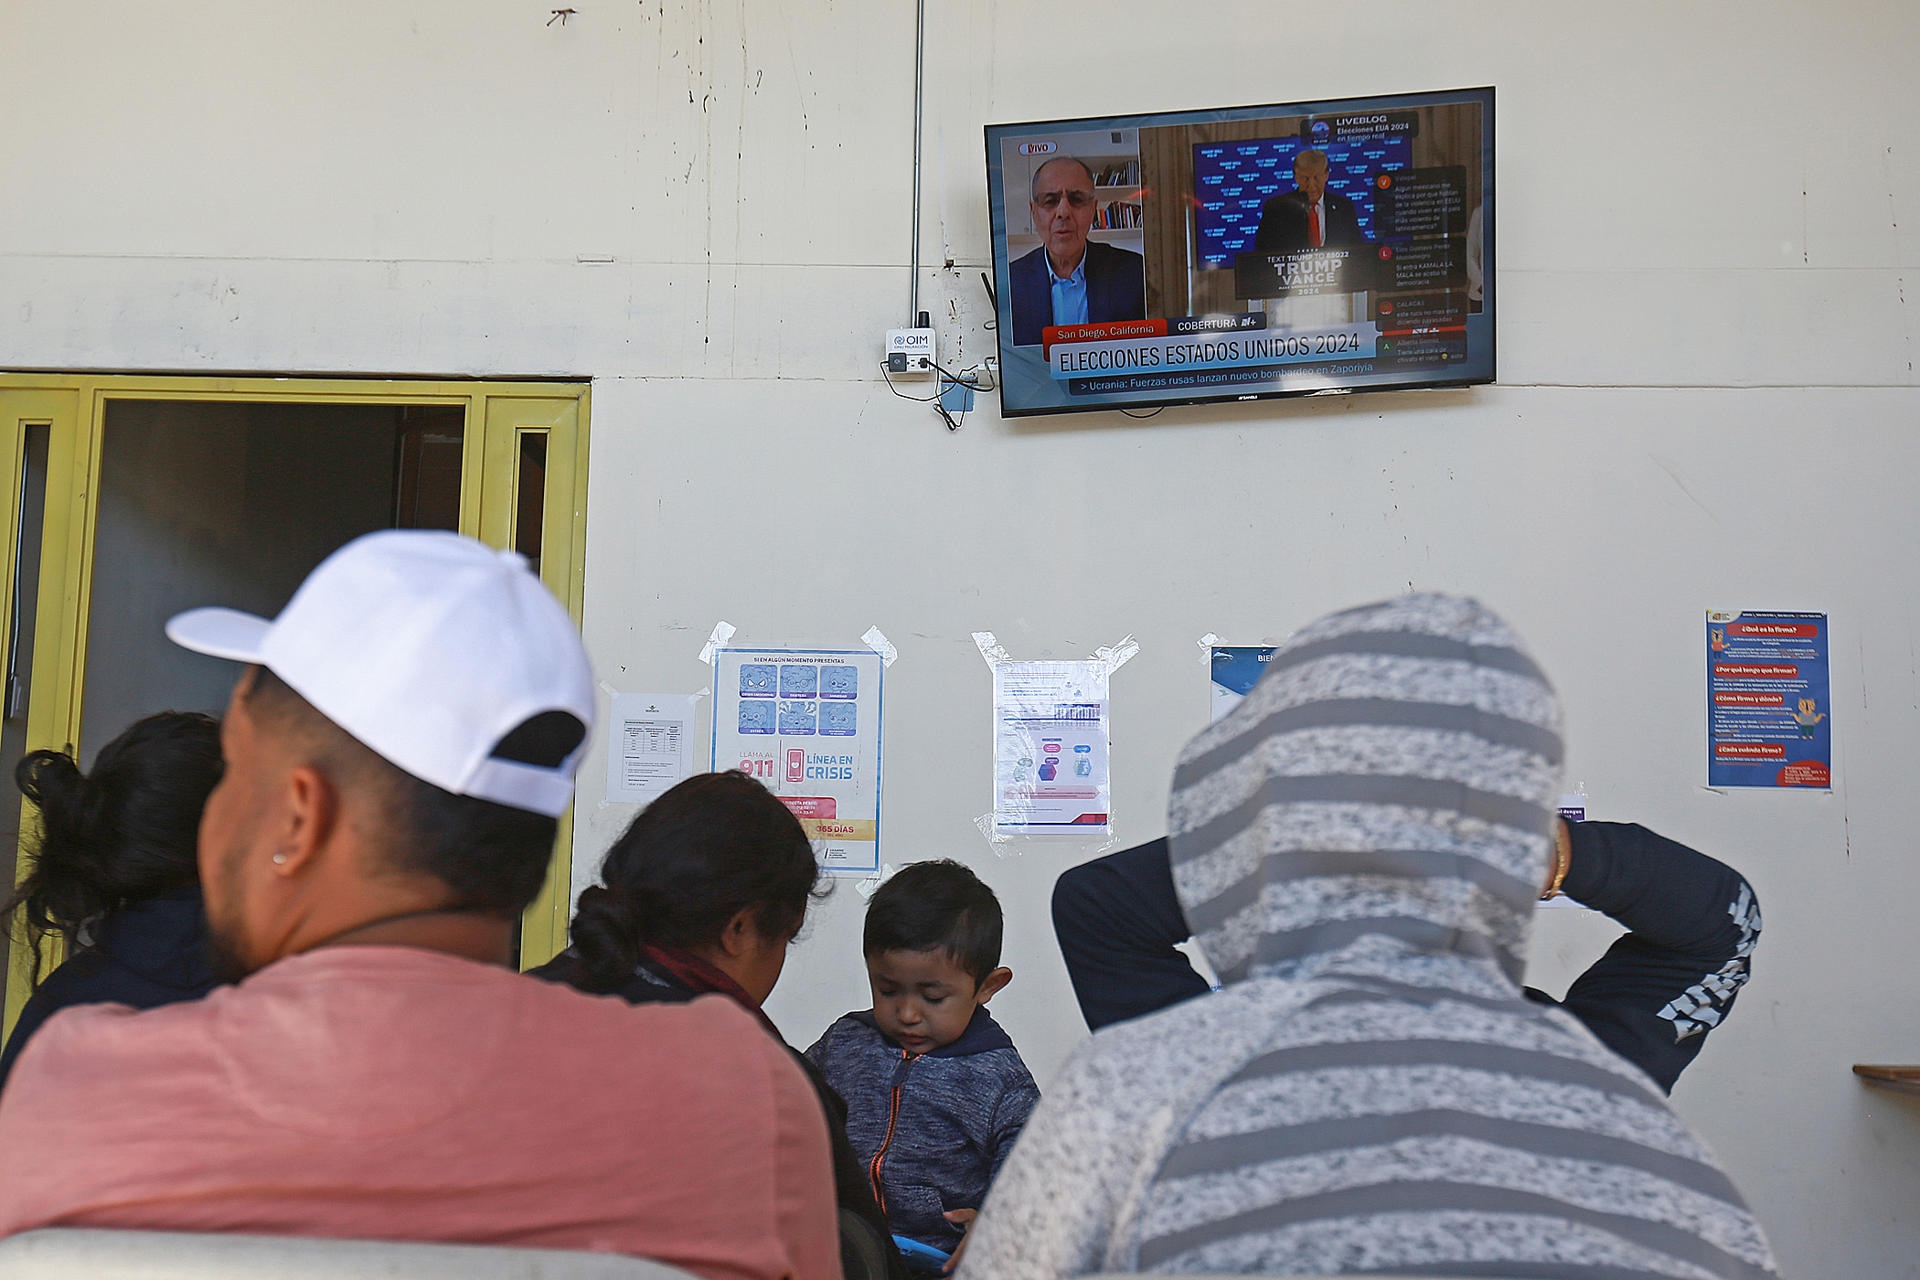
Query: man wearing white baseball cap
[398,750]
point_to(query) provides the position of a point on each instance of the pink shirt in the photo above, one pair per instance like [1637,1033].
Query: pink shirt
[400,1094]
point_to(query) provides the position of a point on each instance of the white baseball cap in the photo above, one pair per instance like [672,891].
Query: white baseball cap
[429,648]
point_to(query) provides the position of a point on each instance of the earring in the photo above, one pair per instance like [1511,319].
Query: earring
[279,859]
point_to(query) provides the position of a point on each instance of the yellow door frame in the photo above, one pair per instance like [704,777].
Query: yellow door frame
[74,407]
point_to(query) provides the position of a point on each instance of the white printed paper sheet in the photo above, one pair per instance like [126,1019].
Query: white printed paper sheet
[650,747]
[1050,748]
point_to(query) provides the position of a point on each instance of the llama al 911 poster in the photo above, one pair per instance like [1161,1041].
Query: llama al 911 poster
[1769,707]
[806,722]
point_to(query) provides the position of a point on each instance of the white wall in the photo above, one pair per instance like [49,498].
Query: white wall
[1707,219]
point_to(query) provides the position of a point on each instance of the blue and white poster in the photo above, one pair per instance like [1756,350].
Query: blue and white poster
[806,722]
[1769,706]
[1236,668]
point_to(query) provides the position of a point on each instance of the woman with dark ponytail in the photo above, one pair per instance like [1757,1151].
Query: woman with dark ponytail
[701,895]
[114,872]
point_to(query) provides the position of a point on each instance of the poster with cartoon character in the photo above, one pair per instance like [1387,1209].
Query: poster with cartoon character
[1769,704]
[806,722]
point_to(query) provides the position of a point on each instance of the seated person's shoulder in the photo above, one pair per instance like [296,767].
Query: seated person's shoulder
[1185,1036]
[94,1057]
[849,1034]
[1016,1070]
[996,1068]
[1002,1079]
[91,1030]
[707,1020]
[704,1061]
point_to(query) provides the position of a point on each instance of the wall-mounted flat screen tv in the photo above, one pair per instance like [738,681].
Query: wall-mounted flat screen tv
[1246,252]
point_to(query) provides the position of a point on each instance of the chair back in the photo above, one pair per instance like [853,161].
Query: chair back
[865,1254]
[60,1253]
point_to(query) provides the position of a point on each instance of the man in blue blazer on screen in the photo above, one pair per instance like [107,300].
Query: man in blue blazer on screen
[1070,279]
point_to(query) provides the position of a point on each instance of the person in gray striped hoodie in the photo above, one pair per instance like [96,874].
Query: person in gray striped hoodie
[1359,846]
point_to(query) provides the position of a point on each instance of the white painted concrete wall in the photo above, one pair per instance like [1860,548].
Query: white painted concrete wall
[1707,220]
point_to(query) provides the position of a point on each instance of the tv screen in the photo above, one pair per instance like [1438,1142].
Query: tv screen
[1243,252]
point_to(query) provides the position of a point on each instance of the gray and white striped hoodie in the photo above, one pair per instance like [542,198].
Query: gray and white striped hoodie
[1358,848]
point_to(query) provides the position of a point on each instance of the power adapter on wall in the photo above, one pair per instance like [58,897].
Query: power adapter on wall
[911,350]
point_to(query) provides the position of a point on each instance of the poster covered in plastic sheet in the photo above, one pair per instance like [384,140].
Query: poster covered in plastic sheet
[1236,669]
[806,722]
[1768,701]
[1050,748]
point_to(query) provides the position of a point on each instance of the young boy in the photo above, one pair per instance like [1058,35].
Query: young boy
[936,1093]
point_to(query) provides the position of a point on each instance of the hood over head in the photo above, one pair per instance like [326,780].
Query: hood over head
[1379,804]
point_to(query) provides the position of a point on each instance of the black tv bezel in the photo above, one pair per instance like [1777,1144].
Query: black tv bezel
[1003,304]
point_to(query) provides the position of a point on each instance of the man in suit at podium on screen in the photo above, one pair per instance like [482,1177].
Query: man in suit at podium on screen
[1070,279]
[1309,216]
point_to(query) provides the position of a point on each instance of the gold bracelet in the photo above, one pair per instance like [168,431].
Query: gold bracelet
[1562,860]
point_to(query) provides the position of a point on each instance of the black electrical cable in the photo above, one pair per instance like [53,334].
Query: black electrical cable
[943,378]
[933,399]
[888,375]
[958,381]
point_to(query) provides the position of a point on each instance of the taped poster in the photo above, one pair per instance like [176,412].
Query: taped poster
[806,722]
[1236,668]
[1769,702]
[650,747]
[1050,743]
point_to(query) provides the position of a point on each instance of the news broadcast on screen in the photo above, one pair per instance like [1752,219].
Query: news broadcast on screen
[1243,252]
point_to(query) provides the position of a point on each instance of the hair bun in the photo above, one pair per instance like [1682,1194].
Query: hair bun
[64,798]
[45,776]
[605,938]
[124,832]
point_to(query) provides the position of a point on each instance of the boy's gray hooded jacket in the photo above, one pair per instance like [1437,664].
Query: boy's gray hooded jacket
[934,1128]
[1359,847]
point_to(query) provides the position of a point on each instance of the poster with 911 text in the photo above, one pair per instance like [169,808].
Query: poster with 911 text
[806,722]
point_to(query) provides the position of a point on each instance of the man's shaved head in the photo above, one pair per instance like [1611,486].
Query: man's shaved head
[491,858]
